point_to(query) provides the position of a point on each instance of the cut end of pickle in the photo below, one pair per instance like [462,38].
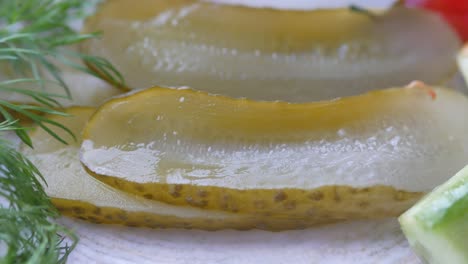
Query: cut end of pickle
[462,60]
[257,53]
[214,152]
[436,227]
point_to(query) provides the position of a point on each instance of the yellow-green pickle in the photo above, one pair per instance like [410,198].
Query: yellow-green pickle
[366,156]
[268,54]
[79,195]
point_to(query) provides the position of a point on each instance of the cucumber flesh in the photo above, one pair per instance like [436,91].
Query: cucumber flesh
[79,195]
[256,53]
[437,226]
[357,157]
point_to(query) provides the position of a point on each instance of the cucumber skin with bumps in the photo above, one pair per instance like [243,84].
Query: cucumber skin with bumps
[437,226]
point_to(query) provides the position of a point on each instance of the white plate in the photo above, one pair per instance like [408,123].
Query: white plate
[378,241]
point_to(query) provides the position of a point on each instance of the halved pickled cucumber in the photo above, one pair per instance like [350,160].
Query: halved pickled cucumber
[268,54]
[436,227]
[310,5]
[77,194]
[359,157]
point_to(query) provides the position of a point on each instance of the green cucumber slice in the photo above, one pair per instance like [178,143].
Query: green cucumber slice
[437,226]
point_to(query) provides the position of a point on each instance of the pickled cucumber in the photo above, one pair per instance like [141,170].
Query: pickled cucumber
[268,54]
[436,227]
[77,194]
[359,157]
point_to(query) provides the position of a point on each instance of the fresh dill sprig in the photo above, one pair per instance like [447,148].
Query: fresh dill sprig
[25,223]
[33,34]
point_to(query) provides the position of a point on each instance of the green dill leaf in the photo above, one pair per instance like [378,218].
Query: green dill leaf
[8,125]
[25,224]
